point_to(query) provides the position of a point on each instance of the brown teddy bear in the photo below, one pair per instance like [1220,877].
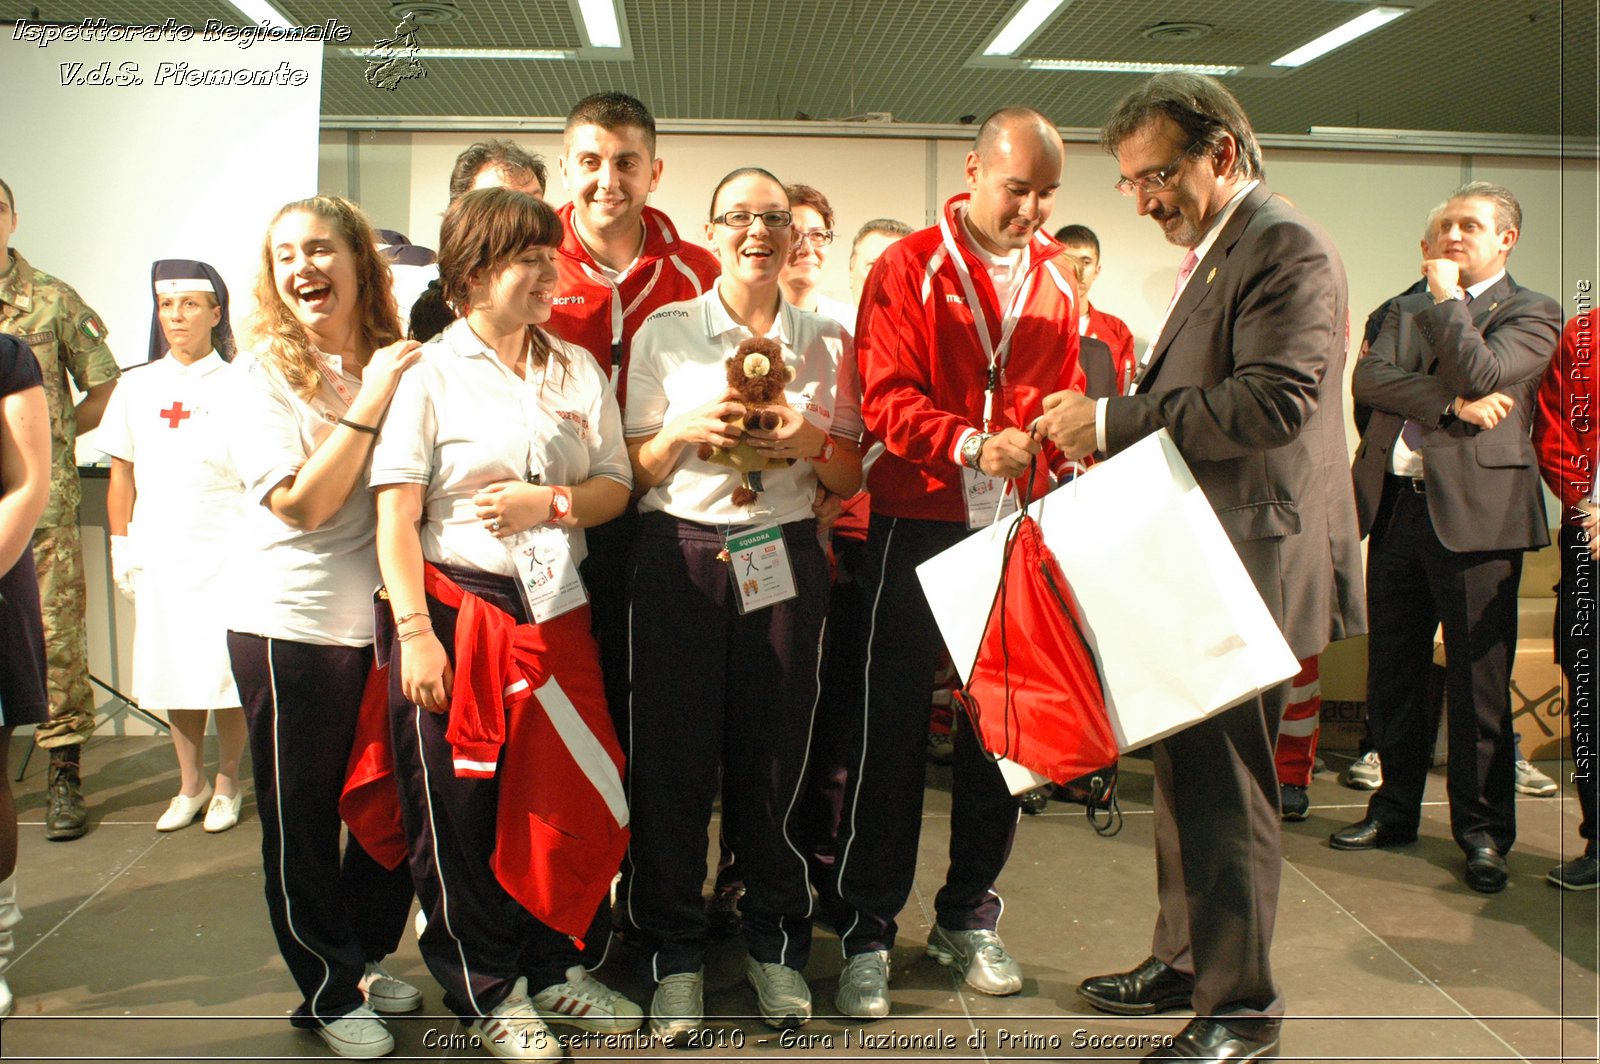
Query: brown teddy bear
[757,374]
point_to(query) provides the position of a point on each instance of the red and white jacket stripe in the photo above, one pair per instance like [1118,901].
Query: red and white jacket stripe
[600,317]
[924,371]
[530,700]
[1564,430]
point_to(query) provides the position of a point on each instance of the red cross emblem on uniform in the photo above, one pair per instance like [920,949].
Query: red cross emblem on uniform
[174,414]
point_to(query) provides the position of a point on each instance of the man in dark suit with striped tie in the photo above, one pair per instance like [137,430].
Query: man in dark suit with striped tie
[1447,485]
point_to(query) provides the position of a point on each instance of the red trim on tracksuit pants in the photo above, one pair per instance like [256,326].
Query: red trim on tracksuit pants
[330,913]
[1296,754]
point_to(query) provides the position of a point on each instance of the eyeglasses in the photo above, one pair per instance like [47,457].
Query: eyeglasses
[1154,182]
[819,238]
[745,219]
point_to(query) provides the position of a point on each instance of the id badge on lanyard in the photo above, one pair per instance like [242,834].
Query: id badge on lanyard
[333,376]
[758,562]
[547,576]
[997,355]
[988,498]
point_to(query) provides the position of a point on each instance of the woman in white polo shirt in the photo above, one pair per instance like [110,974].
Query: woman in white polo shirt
[172,509]
[727,605]
[501,447]
[306,408]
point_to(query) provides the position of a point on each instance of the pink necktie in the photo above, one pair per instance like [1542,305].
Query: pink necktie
[1189,263]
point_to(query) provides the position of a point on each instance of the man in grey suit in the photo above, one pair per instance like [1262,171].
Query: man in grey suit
[1246,376]
[1447,483]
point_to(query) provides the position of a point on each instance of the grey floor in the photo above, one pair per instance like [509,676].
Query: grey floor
[142,946]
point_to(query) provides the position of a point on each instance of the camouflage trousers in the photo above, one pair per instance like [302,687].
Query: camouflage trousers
[63,602]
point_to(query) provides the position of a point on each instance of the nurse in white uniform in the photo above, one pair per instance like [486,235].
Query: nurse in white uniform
[172,509]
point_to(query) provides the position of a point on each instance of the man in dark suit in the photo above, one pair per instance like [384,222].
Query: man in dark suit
[1447,483]
[1246,375]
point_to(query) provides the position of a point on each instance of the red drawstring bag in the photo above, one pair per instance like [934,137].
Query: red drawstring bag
[1035,693]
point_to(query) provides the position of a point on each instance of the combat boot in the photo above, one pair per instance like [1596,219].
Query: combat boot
[64,816]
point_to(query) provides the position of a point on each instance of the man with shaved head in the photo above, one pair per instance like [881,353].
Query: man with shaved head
[963,328]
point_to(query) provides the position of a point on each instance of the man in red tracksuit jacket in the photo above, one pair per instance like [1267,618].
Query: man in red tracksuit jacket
[963,329]
[620,260]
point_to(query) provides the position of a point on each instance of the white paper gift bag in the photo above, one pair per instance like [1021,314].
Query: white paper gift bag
[1173,617]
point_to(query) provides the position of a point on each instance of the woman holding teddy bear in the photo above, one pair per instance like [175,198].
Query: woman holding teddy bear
[739,406]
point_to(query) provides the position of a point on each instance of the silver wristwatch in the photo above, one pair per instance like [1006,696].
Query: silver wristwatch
[972,448]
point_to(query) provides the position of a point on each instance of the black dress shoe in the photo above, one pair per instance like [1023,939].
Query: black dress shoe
[1369,834]
[1212,1041]
[1148,989]
[1486,870]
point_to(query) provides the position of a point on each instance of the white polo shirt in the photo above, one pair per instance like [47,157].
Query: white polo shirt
[677,365]
[309,587]
[840,311]
[461,420]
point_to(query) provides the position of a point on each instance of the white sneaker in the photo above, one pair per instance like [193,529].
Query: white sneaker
[514,1031]
[10,916]
[1365,773]
[358,1034]
[223,812]
[781,992]
[981,958]
[182,810]
[386,994]
[864,986]
[678,1007]
[588,1004]
[1529,780]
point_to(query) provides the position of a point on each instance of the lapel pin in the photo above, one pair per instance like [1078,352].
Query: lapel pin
[1210,275]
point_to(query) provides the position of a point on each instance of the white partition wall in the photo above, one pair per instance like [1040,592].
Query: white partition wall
[109,177]
[1372,202]
[121,161]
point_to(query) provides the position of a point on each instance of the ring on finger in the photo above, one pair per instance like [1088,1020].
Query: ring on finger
[494,524]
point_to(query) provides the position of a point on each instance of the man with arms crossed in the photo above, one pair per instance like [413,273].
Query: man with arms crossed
[1447,482]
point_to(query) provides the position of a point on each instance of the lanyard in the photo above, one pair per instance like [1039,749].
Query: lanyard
[332,378]
[997,355]
[619,314]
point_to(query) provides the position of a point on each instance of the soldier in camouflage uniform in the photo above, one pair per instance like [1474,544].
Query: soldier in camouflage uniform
[67,337]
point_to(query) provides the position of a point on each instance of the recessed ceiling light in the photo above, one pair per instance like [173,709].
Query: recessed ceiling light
[468,53]
[425,12]
[1359,26]
[601,26]
[1172,32]
[1022,24]
[1114,66]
